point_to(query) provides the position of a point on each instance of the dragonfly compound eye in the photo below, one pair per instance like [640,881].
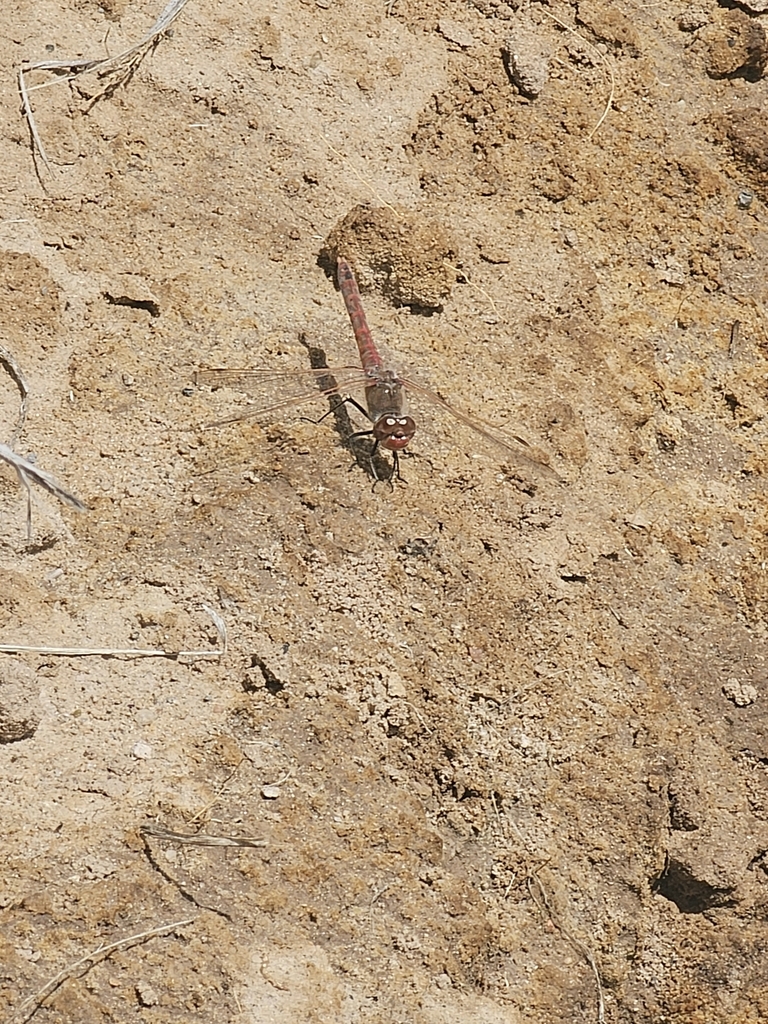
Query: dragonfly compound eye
[394,432]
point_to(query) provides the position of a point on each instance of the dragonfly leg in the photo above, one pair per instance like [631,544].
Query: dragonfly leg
[336,407]
[357,406]
[394,473]
[344,428]
[396,468]
[371,454]
[377,479]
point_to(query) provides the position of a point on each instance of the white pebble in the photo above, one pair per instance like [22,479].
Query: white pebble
[741,694]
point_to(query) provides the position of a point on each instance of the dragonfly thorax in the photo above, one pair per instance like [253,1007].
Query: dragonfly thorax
[384,395]
[393,432]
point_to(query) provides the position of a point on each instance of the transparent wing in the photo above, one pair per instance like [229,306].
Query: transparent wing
[514,445]
[292,384]
[249,379]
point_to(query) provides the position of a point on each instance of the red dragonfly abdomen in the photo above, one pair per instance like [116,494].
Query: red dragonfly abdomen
[369,354]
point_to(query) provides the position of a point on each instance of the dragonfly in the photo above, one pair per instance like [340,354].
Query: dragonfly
[392,429]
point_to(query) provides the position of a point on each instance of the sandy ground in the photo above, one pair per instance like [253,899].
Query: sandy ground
[501,729]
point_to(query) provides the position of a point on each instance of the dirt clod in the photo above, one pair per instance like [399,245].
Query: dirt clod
[409,258]
[745,130]
[737,43]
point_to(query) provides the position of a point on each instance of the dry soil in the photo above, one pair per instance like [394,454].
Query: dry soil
[501,727]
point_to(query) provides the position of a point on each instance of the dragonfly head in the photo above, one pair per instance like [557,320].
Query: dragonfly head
[393,432]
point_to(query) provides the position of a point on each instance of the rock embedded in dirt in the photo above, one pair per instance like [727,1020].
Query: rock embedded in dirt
[146,994]
[739,693]
[705,867]
[19,701]
[133,291]
[454,32]
[527,57]
[408,258]
[713,839]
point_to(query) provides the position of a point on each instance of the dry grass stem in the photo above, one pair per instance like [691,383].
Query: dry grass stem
[29,471]
[602,59]
[199,838]
[359,176]
[30,1006]
[123,652]
[26,106]
[475,287]
[733,344]
[106,652]
[577,944]
[199,815]
[26,470]
[220,624]
[123,64]
[542,902]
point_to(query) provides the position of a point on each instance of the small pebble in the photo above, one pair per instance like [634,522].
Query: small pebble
[33,955]
[146,994]
[270,792]
[740,694]
[141,750]
[396,686]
